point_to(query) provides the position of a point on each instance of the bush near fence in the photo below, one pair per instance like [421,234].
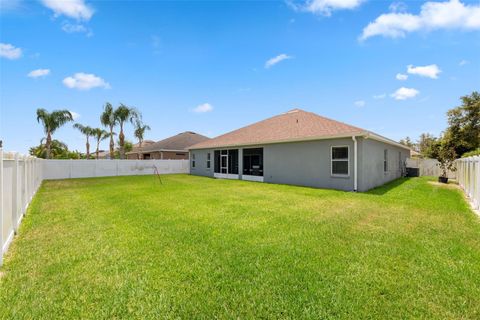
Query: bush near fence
[468,176]
[21,176]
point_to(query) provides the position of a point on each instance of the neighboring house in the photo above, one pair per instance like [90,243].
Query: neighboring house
[302,148]
[102,154]
[136,150]
[175,147]
[105,154]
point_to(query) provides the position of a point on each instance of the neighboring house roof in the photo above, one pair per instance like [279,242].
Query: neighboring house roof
[145,143]
[179,142]
[294,125]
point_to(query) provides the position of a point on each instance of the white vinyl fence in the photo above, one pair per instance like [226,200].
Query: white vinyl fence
[428,167]
[468,173]
[66,169]
[21,176]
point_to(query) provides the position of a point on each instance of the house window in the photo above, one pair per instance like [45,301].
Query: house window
[340,161]
[208,160]
[385,160]
[193,160]
[400,165]
[253,162]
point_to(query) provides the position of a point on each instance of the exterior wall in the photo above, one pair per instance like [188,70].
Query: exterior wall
[175,155]
[201,163]
[309,164]
[370,167]
[306,164]
[297,163]
[167,155]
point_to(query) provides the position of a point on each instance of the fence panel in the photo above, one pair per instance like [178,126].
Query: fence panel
[468,173]
[65,169]
[20,178]
[428,167]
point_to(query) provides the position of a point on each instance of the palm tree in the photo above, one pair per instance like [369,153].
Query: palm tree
[107,118]
[139,132]
[88,132]
[99,135]
[58,149]
[51,121]
[123,114]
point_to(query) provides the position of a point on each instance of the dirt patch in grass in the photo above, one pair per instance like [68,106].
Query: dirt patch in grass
[444,185]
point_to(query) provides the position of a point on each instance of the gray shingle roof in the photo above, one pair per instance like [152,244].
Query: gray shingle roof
[181,141]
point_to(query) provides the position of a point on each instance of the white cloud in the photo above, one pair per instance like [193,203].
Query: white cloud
[359,103]
[202,108]
[430,71]
[76,9]
[75,115]
[433,16]
[463,62]
[398,7]
[405,93]
[379,96]
[325,7]
[9,51]
[401,76]
[273,61]
[85,81]
[38,73]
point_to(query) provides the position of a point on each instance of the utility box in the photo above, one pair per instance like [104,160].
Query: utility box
[413,172]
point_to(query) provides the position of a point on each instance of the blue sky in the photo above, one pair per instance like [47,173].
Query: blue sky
[237,62]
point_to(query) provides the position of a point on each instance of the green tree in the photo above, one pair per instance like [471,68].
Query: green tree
[408,142]
[128,146]
[139,133]
[446,157]
[428,145]
[463,132]
[123,114]
[88,132]
[99,135]
[58,149]
[51,121]
[108,119]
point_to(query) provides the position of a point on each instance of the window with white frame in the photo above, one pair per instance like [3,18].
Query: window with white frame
[208,160]
[340,161]
[385,160]
[193,160]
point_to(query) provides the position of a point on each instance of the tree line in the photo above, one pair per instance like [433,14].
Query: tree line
[111,118]
[460,139]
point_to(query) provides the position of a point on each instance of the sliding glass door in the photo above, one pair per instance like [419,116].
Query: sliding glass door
[226,163]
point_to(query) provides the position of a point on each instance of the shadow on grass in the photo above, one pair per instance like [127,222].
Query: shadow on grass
[388,187]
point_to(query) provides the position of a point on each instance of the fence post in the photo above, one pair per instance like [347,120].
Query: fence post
[25,190]
[1,206]
[477,184]
[15,195]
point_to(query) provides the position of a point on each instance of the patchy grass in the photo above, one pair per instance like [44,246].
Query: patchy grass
[128,247]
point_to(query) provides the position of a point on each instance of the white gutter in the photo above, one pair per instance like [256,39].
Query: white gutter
[355,162]
[374,136]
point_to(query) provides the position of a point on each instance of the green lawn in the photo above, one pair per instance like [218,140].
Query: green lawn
[128,247]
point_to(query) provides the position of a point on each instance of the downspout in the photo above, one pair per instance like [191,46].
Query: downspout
[355,161]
